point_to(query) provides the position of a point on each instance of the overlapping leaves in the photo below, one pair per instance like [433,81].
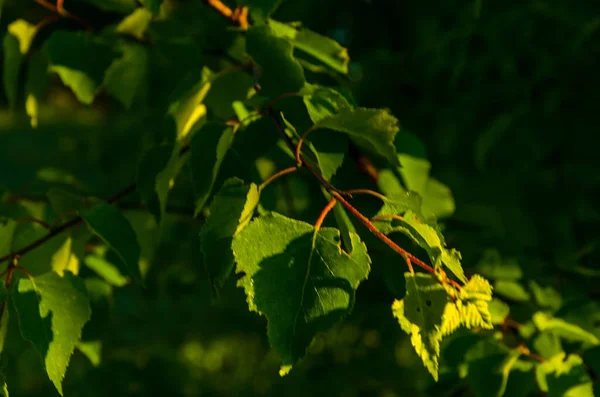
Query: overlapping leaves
[431,311]
[302,281]
[52,311]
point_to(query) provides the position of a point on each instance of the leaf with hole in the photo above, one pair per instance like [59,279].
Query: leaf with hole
[300,280]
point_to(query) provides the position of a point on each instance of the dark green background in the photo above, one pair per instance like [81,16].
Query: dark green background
[505,98]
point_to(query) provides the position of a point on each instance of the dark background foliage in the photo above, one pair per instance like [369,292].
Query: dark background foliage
[504,97]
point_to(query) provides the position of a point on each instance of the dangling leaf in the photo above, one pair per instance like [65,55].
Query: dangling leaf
[373,129]
[112,227]
[302,282]
[52,311]
[230,212]
[279,72]
[420,314]
[208,149]
[326,50]
[428,238]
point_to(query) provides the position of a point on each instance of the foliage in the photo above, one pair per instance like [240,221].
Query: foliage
[195,196]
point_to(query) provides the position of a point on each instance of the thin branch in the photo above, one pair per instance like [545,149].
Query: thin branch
[300,142]
[367,191]
[239,16]
[128,190]
[277,175]
[33,220]
[363,219]
[324,213]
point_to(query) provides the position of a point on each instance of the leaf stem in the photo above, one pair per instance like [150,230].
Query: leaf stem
[276,175]
[363,219]
[126,191]
[300,142]
[324,213]
[367,191]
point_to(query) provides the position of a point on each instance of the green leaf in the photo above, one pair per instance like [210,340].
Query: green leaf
[153,190]
[3,387]
[136,23]
[322,102]
[16,45]
[81,61]
[475,297]
[511,290]
[420,314]
[547,344]
[279,72]
[300,280]
[127,77]
[106,270]
[52,311]
[3,293]
[430,240]
[113,228]
[230,211]
[152,5]
[493,266]
[373,129]
[326,50]
[546,297]
[561,374]
[427,312]
[186,106]
[570,332]
[208,149]
[498,311]
[92,350]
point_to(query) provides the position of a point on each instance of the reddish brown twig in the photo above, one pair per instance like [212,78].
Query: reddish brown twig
[238,17]
[276,175]
[324,213]
[59,9]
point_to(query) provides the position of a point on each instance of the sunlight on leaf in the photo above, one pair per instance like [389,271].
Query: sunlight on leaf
[303,283]
[52,311]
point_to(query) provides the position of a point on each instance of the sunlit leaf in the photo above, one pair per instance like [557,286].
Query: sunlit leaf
[208,149]
[52,311]
[570,332]
[323,48]
[16,45]
[136,23]
[230,212]
[561,373]
[429,239]
[92,350]
[80,60]
[3,387]
[301,281]
[420,315]
[511,290]
[372,128]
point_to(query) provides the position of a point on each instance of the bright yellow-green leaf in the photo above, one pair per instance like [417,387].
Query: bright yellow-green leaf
[52,311]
